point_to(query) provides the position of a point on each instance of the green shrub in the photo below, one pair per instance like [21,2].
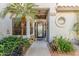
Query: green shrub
[8,44]
[61,44]
[26,42]
[1,50]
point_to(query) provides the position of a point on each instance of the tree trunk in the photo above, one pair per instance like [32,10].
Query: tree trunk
[23,22]
[22,29]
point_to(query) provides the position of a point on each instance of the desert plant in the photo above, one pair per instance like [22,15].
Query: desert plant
[62,44]
[65,45]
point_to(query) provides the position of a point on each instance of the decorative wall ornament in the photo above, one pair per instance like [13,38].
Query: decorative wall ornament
[60,21]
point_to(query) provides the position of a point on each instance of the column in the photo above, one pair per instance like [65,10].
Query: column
[28,27]
[33,28]
[51,20]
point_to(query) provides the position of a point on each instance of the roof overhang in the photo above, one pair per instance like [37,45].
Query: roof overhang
[42,13]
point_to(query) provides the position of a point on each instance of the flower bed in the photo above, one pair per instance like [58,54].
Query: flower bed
[13,46]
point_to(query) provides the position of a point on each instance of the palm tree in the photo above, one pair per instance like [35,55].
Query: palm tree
[23,10]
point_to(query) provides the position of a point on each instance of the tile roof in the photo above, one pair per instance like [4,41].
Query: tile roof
[68,8]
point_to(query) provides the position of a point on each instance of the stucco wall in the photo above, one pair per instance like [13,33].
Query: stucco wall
[6,26]
[64,31]
[4,23]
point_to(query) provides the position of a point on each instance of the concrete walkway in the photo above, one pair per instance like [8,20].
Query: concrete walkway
[75,43]
[38,48]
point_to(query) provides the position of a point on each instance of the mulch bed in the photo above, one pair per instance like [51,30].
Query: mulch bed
[56,53]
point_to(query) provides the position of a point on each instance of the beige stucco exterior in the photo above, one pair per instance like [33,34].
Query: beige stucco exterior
[54,13]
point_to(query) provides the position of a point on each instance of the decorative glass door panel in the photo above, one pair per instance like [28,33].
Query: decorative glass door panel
[40,30]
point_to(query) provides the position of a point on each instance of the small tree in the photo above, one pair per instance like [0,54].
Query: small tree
[23,10]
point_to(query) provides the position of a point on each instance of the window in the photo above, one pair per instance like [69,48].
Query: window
[19,26]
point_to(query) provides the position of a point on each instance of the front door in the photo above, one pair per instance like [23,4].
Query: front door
[40,30]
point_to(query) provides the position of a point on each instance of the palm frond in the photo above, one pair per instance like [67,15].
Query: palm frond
[22,9]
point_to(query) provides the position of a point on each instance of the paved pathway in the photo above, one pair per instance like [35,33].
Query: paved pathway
[75,44]
[38,48]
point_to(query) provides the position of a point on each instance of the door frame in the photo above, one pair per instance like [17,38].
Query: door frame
[44,34]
